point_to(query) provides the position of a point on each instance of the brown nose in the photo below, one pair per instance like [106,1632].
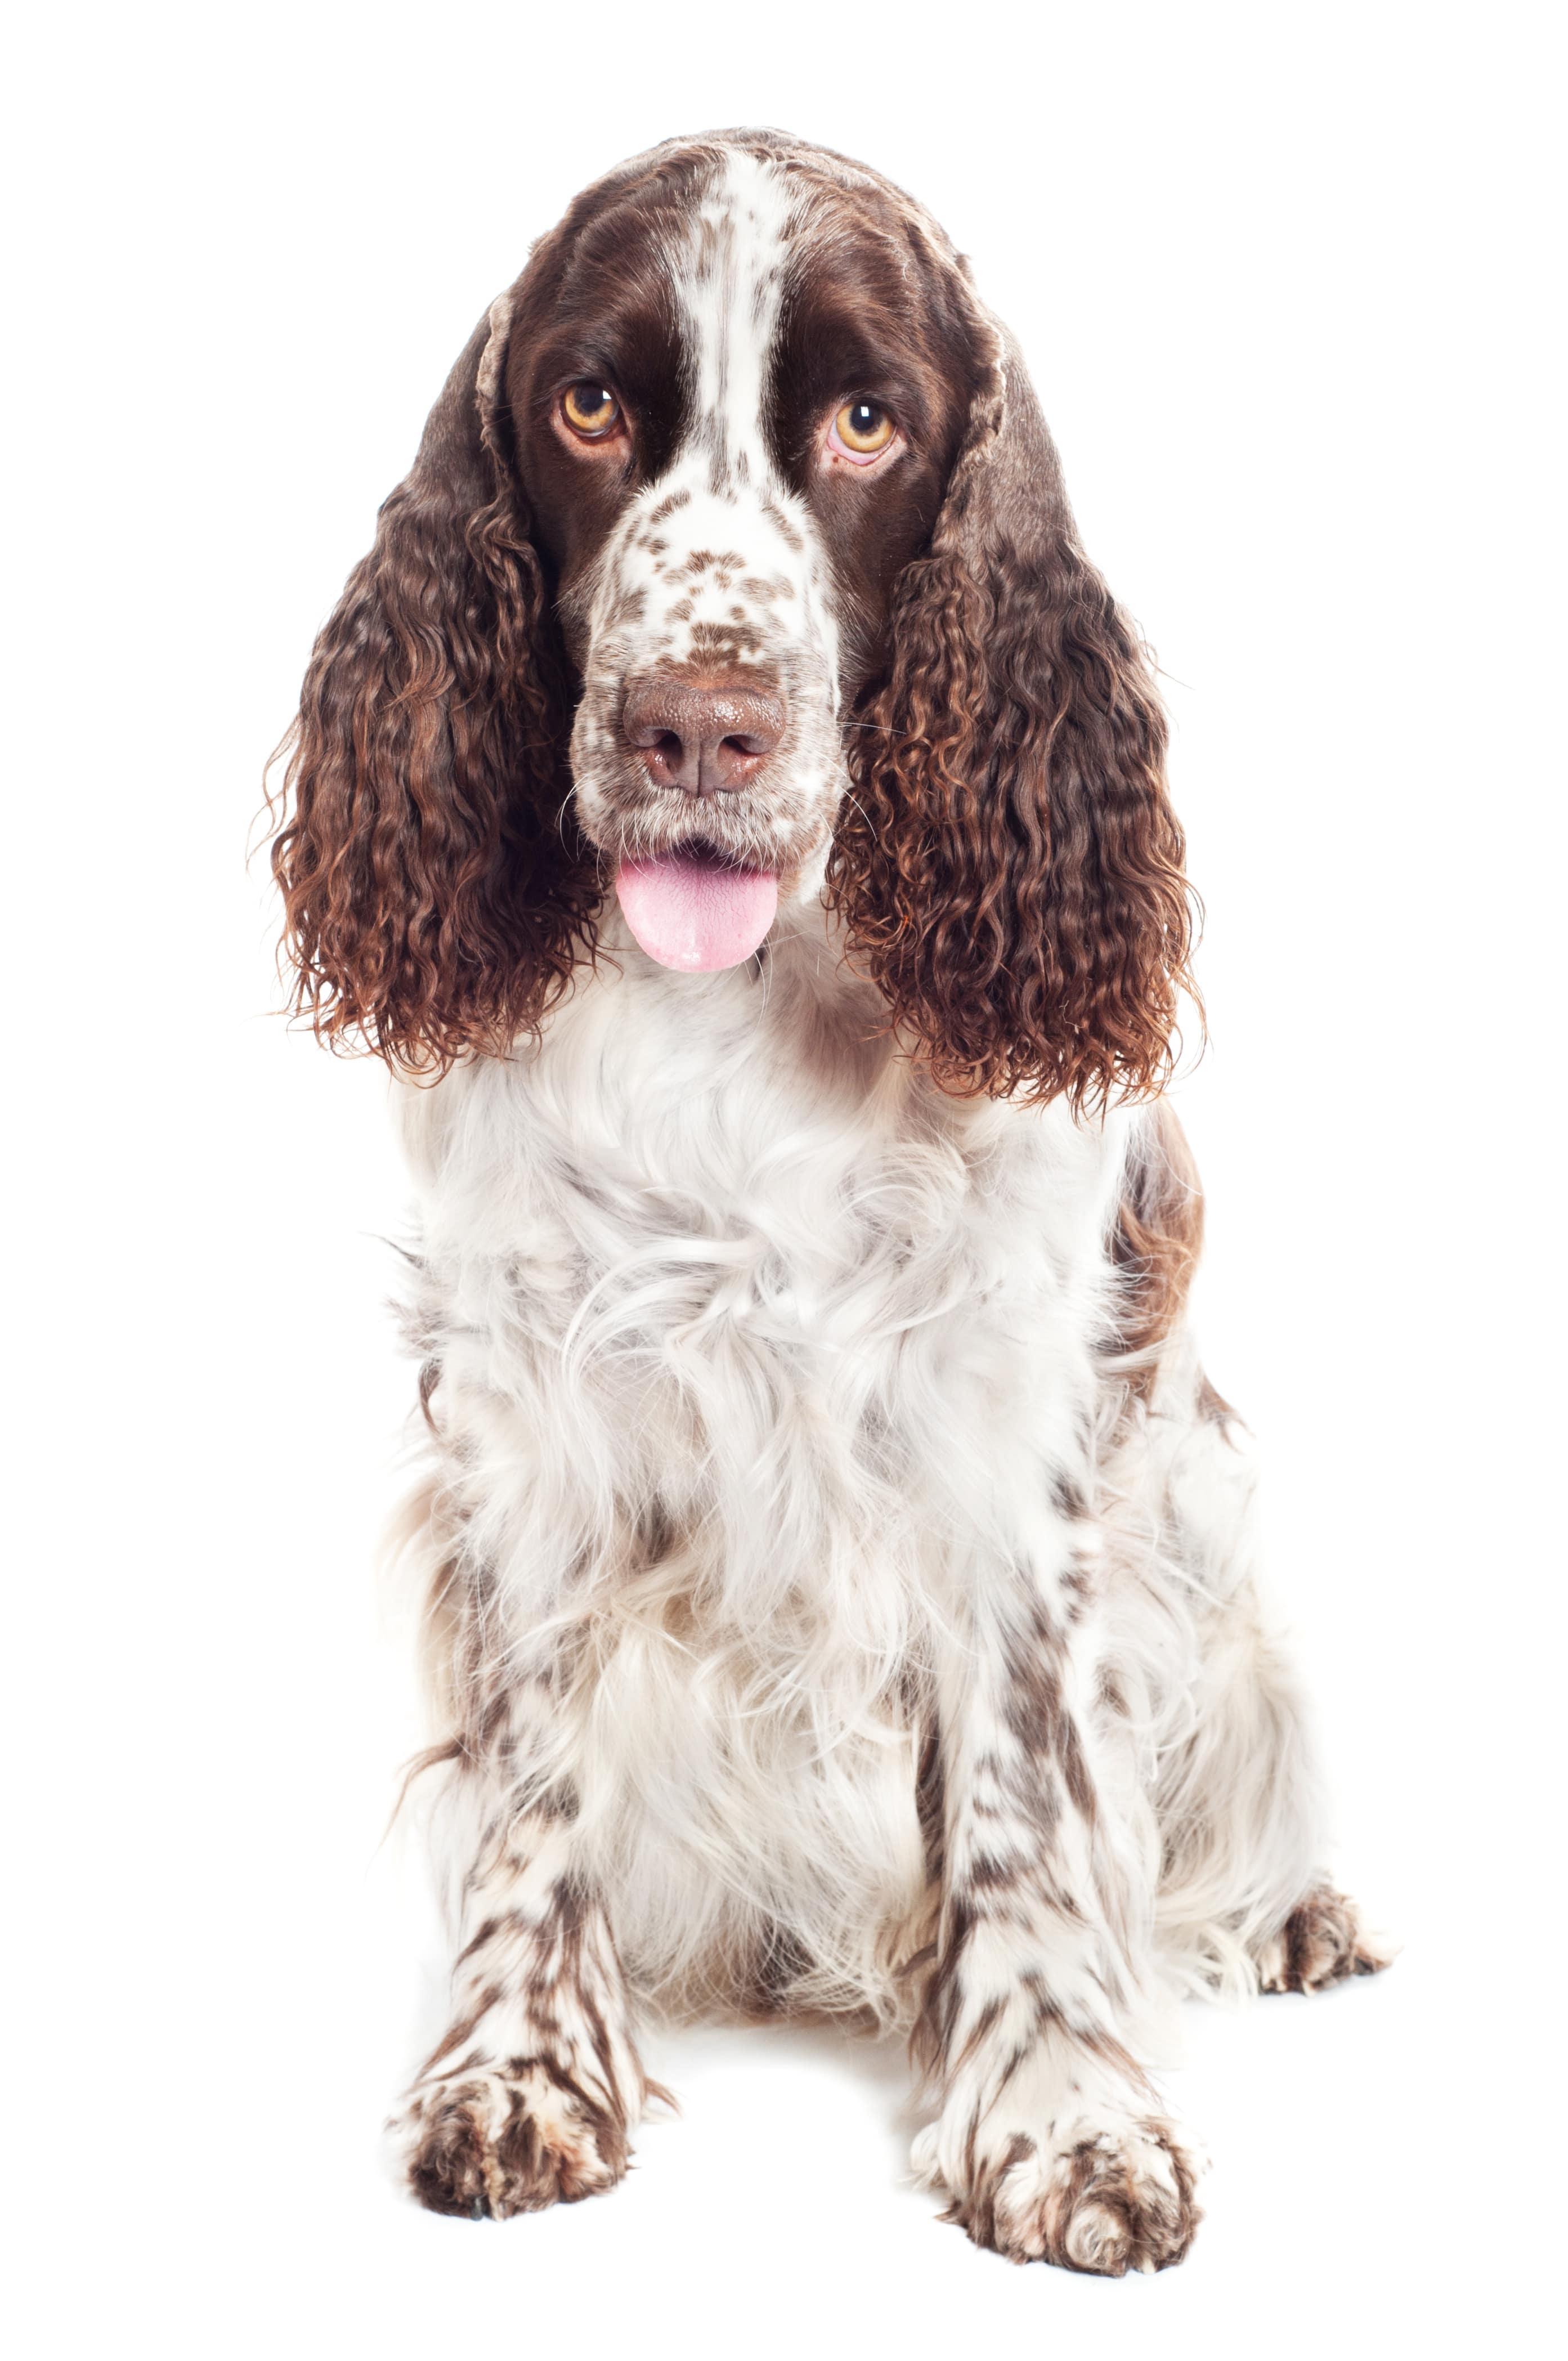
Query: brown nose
[706,740]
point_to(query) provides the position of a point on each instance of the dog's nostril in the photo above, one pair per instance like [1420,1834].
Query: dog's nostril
[703,740]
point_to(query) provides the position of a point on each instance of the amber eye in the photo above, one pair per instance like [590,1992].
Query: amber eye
[590,410]
[863,427]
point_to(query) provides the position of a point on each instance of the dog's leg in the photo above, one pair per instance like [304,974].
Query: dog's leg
[1243,1898]
[1243,1895]
[528,2098]
[1050,2141]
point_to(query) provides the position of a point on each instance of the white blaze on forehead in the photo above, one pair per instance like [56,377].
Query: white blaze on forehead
[718,559]
[720,541]
[731,284]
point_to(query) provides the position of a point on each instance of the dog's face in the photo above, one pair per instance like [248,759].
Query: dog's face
[735,393]
[736,565]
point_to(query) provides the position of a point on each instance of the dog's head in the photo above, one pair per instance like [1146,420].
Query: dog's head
[735,569]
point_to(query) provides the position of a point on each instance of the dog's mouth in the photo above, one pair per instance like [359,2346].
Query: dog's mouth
[695,908]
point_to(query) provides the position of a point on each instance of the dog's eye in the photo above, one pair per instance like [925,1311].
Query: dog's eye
[863,427]
[590,410]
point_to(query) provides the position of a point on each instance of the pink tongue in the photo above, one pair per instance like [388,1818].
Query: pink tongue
[695,915]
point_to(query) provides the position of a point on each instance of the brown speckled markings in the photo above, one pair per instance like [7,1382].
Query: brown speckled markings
[1103,2206]
[513,2141]
[847,1590]
[1049,2141]
[528,2096]
[1323,1942]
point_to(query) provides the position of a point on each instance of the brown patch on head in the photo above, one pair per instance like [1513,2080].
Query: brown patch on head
[874,308]
[598,300]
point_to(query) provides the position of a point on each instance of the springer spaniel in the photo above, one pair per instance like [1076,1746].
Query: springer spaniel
[730,799]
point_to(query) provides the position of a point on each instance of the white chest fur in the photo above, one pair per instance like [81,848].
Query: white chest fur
[750,1346]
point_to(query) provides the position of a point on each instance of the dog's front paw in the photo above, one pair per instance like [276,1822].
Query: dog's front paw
[1320,1944]
[1108,2198]
[506,2140]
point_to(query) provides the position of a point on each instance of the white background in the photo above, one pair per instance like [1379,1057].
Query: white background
[1285,281]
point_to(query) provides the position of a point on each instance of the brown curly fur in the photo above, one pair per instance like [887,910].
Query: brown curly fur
[436,895]
[1010,866]
[1007,864]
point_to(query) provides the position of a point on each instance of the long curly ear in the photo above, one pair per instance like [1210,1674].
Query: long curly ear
[1009,866]
[436,898]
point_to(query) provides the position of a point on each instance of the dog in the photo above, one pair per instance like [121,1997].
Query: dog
[735,808]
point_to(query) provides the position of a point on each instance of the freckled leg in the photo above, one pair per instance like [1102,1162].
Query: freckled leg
[1322,1943]
[529,2097]
[1050,2141]
[1239,1800]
